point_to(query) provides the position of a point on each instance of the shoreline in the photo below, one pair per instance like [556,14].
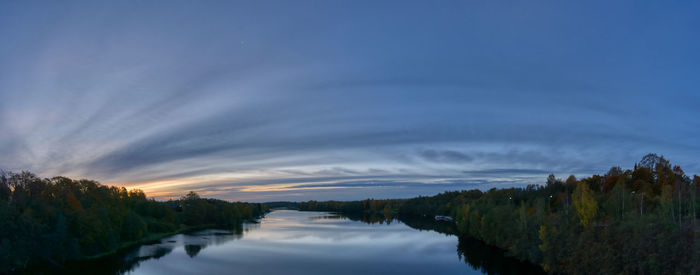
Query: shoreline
[453,232]
[152,238]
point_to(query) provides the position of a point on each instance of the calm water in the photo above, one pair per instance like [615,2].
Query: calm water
[293,242]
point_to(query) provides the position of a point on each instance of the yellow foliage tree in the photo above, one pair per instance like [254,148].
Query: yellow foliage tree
[585,204]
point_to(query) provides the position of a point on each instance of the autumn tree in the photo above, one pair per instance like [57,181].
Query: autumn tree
[59,219]
[585,205]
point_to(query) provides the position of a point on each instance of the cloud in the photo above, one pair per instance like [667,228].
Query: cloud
[506,172]
[220,96]
[445,156]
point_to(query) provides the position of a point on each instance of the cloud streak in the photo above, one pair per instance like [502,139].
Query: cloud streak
[306,101]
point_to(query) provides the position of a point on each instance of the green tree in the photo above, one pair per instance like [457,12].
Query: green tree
[4,187]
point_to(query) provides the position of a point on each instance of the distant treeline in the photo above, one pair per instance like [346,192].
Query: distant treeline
[59,219]
[638,221]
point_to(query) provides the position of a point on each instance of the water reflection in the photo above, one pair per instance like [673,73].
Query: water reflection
[490,260]
[192,249]
[475,253]
[293,242]
[129,259]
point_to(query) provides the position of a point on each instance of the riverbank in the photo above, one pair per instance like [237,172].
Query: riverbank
[54,220]
[637,221]
[146,240]
[475,251]
[44,267]
[157,236]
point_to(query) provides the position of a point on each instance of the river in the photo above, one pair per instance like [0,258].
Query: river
[294,242]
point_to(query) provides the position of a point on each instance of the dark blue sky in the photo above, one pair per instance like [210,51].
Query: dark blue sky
[296,100]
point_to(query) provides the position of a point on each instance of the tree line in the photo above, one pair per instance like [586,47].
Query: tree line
[50,221]
[640,221]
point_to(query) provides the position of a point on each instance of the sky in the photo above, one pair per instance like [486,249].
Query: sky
[299,100]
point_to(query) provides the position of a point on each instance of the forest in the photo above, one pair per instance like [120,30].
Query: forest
[642,220]
[50,221]
[635,221]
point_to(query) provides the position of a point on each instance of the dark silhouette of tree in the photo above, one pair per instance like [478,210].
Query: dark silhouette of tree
[640,221]
[59,219]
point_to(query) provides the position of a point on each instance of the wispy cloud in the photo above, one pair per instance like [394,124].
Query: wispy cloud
[305,101]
